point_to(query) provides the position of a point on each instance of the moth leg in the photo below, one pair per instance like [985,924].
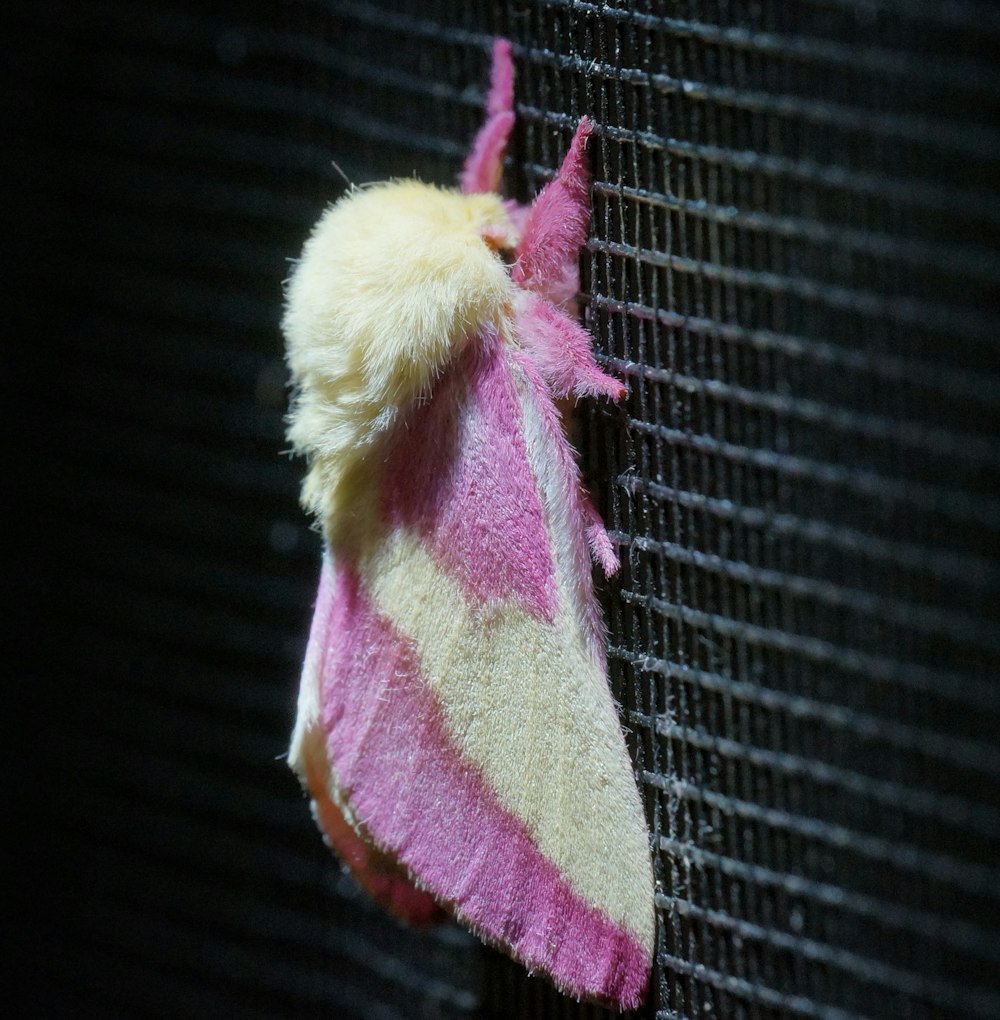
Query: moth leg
[562,352]
[602,549]
[483,168]
[556,227]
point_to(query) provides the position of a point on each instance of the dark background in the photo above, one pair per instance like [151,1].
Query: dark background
[794,265]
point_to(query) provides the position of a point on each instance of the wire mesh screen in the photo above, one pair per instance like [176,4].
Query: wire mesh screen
[794,266]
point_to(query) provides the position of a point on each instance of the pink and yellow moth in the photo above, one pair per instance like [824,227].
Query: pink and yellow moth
[455,728]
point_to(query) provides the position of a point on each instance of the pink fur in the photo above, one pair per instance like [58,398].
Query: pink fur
[458,474]
[378,874]
[501,95]
[602,549]
[375,872]
[480,468]
[563,352]
[579,518]
[483,168]
[556,227]
[421,799]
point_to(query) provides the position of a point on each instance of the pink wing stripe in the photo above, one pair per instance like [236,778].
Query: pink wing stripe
[484,166]
[459,476]
[420,799]
[374,872]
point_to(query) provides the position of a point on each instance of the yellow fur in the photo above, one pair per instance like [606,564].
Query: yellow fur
[560,764]
[389,285]
[394,279]
[502,677]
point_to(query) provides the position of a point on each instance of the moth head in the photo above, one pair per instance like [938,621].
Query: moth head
[489,217]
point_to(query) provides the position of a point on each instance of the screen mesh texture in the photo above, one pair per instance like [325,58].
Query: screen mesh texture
[794,266]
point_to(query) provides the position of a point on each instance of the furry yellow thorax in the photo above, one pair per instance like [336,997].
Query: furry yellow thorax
[389,286]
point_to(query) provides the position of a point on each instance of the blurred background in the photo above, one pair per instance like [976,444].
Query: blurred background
[793,265]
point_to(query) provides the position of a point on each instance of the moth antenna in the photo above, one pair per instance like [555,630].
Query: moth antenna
[483,169]
[340,170]
[556,226]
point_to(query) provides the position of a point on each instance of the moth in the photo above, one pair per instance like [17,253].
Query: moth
[455,729]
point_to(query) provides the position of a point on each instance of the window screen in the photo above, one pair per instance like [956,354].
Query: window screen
[794,266]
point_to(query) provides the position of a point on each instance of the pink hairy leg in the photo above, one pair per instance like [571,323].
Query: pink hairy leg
[554,232]
[602,549]
[563,352]
[484,166]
